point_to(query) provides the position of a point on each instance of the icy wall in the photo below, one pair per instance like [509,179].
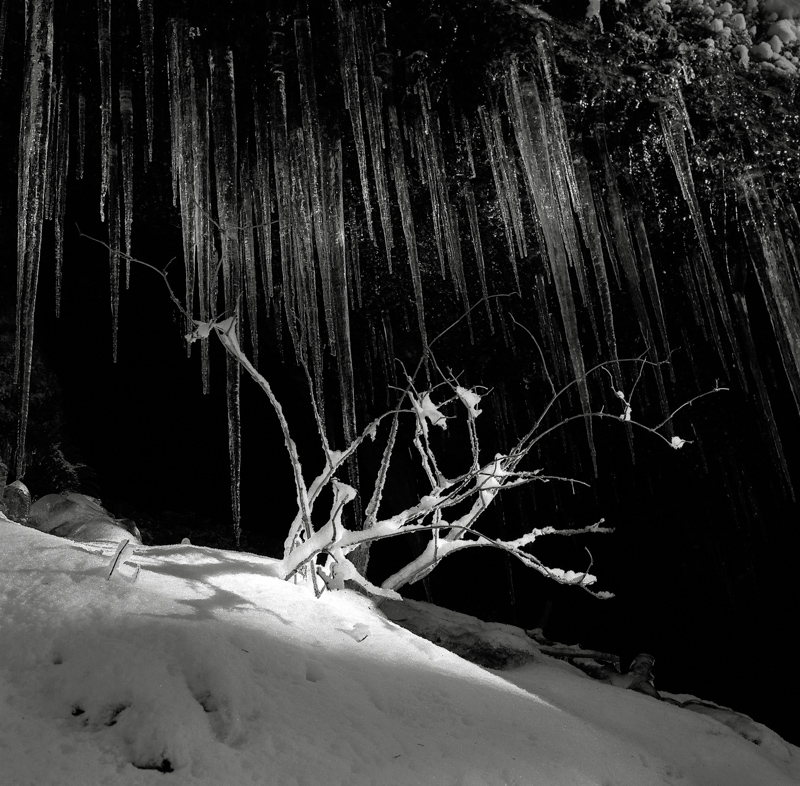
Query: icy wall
[626,174]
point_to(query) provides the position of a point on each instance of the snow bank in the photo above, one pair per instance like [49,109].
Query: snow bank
[212,670]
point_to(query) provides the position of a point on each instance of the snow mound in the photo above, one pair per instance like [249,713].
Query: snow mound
[207,669]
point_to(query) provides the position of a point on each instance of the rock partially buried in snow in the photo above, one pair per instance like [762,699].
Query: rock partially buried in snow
[15,501]
[80,518]
[489,644]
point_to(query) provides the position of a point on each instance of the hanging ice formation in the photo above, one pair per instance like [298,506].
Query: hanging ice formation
[348,138]
[3,20]
[35,147]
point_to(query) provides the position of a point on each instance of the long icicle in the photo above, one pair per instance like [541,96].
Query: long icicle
[529,122]
[765,405]
[592,238]
[114,239]
[104,49]
[248,252]
[348,64]
[281,172]
[406,216]
[311,172]
[371,42]
[81,135]
[445,220]
[224,135]
[180,70]
[672,125]
[61,173]
[3,20]
[775,276]
[126,117]
[334,186]
[263,194]
[148,67]
[34,148]
[203,243]
[475,234]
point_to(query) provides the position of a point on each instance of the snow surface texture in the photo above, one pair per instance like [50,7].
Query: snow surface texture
[209,666]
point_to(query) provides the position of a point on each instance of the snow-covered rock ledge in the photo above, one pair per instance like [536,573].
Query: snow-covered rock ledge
[208,669]
[490,644]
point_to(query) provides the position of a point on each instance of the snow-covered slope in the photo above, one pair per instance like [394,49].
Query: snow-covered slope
[209,666]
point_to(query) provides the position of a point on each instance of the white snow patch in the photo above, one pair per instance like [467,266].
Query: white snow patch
[232,676]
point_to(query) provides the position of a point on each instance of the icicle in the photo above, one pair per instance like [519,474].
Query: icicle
[508,176]
[765,406]
[340,294]
[177,33]
[640,233]
[126,117]
[502,188]
[3,18]
[445,220]
[180,73]
[104,48]
[592,238]
[690,286]
[224,135]
[346,23]
[281,171]
[475,233]
[672,125]
[246,221]
[203,243]
[562,171]
[776,278]
[529,124]
[61,171]
[622,239]
[232,389]
[310,113]
[371,42]
[627,258]
[114,238]
[465,173]
[34,148]
[262,195]
[303,274]
[406,216]
[465,142]
[353,255]
[558,123]
[548,127]
[81,135]
[311,171]
[601,212]
[148,66]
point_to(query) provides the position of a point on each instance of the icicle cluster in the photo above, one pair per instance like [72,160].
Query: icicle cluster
[297,183]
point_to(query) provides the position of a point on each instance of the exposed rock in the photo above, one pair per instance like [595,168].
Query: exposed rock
[489,644]
[639,676]
[80,518]
[16,501]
